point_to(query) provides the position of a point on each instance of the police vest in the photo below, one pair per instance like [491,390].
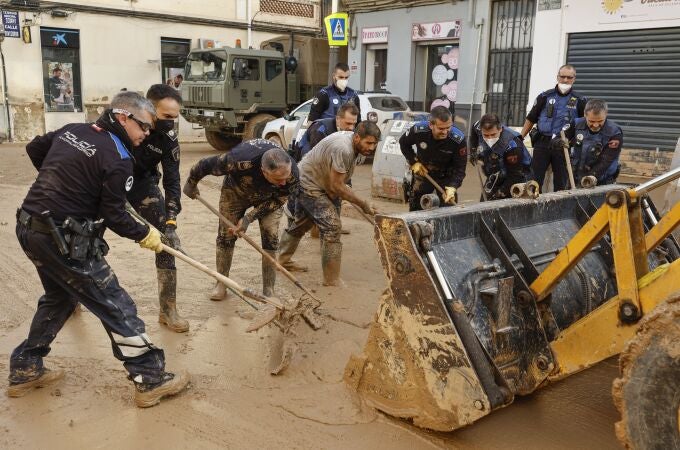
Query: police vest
[336,100]
[588,147]
[558,111]
[494,157]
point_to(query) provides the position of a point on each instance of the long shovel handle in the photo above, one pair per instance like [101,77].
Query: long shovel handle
[266,255]
[481,181]
[567,158]
[434,183]
[363,214]
[231,284]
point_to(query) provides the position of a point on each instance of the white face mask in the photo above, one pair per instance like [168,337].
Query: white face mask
[491,142]
[564,87]
[341,84]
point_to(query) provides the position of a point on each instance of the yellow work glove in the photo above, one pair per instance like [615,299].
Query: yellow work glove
[152,241]
[419,169]
[449,195]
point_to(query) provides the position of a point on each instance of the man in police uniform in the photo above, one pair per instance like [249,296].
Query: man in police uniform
[505,159]
[436,148]
[161,146]
[327,101]
[596,145]
[324,173]
[344,120]
[258,174]
[83,173]
[552,110]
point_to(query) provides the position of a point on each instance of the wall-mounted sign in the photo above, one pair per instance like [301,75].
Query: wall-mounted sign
[436,31]
[10,21]
[637,11]
[545,5]
[208,43]
[336,28]
[375,35]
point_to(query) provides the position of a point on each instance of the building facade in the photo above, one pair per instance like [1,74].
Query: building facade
[626,52]
[63,61]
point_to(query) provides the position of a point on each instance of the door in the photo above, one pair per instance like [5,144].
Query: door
[512,30]
[245,85]
[441,88]
[380,70]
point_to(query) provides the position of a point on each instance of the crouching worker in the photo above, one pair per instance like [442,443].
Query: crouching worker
[324,172]
[505,159]
[257,174]
[84,171]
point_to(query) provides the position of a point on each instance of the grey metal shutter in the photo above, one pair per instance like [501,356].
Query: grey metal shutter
[638,73]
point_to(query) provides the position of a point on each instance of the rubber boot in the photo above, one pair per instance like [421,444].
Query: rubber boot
[331,256]
[268,274]
[147,395]
[167,292]
[287,246]
[223,265]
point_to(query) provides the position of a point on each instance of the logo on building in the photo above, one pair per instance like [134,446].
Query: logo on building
[612,6]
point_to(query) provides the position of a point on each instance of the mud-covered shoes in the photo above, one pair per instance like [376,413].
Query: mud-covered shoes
[147,394]
[47,378]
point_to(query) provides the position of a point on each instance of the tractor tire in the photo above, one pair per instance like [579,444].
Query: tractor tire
[220,141]
[647,394]
[255,125]
[276,139]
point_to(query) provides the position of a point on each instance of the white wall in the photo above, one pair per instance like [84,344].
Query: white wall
[580,16]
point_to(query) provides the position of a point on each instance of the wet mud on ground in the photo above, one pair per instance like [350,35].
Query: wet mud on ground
[233,402]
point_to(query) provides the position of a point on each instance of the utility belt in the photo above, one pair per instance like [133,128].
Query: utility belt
[80,240]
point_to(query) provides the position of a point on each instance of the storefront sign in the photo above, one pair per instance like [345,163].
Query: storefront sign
[10,21]
[616,11]
[436,31]
[375,35]
[59,37]
[544,5]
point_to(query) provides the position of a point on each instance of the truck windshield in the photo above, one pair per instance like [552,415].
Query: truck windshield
[203,66]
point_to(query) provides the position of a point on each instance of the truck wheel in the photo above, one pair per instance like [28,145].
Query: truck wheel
[255,125]
[276,139]
[220,141]
[648,392]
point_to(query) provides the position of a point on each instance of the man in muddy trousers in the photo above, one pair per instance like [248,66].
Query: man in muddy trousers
[84,171]
[258,178]
[161,147]
[438,149]
[324,172]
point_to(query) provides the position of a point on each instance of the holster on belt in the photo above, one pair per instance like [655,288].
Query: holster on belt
[85,238]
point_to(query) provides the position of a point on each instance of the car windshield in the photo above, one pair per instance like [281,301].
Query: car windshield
[203,66]
[386,103]
[302,110]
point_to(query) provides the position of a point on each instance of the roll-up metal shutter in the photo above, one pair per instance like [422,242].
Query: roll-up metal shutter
[638,73]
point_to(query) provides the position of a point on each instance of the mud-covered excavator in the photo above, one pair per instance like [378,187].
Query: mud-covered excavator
[493,300]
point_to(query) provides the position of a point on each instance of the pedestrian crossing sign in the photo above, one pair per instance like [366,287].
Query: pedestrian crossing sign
[336,28]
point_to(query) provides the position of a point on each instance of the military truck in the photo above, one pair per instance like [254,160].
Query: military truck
[233,92]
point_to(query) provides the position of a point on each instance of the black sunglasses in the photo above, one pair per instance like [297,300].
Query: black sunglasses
[143,125]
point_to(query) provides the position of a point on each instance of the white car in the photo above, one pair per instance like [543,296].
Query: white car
[379,106]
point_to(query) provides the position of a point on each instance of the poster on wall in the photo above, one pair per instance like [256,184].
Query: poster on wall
[442,87]
[617,11]
[175,77]
[435,31]
[60,86]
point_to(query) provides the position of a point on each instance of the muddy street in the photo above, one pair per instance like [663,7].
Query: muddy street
[233,402]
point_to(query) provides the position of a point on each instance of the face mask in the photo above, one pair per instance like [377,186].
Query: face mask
[491,142]
[564,87]
[164,125]
[341,84]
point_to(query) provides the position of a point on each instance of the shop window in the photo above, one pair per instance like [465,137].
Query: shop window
[173,60]
[273,68]
[245,69]
[61,69]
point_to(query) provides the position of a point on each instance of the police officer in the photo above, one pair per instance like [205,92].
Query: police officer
[345,120]
[327,101]
[436,148]
[258,174]
[161,147]
[596,145]
[505,158]
[323,181]
[552,110]
[84,171]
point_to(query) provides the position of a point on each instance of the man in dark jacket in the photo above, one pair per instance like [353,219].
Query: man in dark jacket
[84,171]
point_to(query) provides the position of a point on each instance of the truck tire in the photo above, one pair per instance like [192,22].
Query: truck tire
[255,125]
[648,392]
[220,141]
